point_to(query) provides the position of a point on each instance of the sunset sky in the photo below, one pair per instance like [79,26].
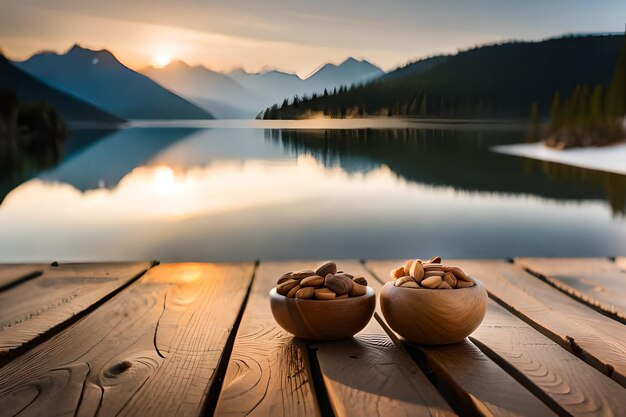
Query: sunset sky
[286,34]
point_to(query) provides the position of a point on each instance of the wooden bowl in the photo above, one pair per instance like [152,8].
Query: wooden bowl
[433,317]
[323,319]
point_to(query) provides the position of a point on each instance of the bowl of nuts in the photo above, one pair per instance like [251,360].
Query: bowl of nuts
[322,304]
[431,303]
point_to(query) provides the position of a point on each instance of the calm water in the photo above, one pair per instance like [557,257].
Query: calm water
[295,190]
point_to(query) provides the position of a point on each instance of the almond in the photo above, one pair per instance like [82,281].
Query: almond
[431,282]
[284,278]
[464,284]
[292,292]
[407,265]
[360,280]
[458,272]
[410,284]
[302,274]
[312,281]
[435,267]
[324,294]
[305,292]
[357,290]
[403,280]
[397,273]
[435,260]
[432,273]
[339,284]
[444,286]
[341,297]
[286,286]
[417,270]
[327,268]
[450,279]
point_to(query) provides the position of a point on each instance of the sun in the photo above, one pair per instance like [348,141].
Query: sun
[161,59]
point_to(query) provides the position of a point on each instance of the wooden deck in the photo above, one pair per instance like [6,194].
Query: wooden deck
[142,339]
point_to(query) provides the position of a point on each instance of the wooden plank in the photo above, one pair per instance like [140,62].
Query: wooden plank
[268,372]
[39,305]
[597,282]
[547,369]
[371,375]
[595,338]
[152,350]
[471,376]
[13,274]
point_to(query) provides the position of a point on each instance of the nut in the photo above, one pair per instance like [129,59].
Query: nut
[292,292]
[407,265]
[444,286]
[397,273]
[312,281]
[339,284]
[305,292]
[357,290]
[431,273]
[360,280]
[433,267]
[435,260]
[327,268]
[285,287]
[464,284]
[450,279]
[302,274]
[341,297]
[402,280]
[410,284]
[417,270]
[458,272]
[284,278]
[431,282]
[325,294]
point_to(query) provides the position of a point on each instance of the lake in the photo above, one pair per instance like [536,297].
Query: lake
[245,190]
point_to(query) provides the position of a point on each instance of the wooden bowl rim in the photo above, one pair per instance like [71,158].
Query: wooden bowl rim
[422,289]
[368,294]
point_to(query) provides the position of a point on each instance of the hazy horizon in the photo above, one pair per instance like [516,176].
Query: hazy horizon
[290,36]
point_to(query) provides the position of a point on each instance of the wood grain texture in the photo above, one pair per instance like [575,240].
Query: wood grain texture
[598,282]
[11,274]
[268,372]
[151,350]
[595,338]
[577,388]
[371,375]
[476,381]
[40,304]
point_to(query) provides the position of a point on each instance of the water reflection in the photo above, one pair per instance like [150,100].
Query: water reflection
[186,193]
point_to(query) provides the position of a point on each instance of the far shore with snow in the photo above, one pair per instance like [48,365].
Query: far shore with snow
[607,158]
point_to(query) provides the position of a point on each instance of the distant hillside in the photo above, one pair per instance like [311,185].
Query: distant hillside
[499,81]
[239,94]
[222,96]
[30,89]
[97,76]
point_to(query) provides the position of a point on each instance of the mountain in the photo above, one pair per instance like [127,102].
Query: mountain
[98,77]
[30,89]
[492,81]
[240,94]
[216,92]
[351,71]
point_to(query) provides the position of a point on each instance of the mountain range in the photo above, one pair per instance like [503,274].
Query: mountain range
[30,89]
[239,94]
[99,78]
[491,81]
